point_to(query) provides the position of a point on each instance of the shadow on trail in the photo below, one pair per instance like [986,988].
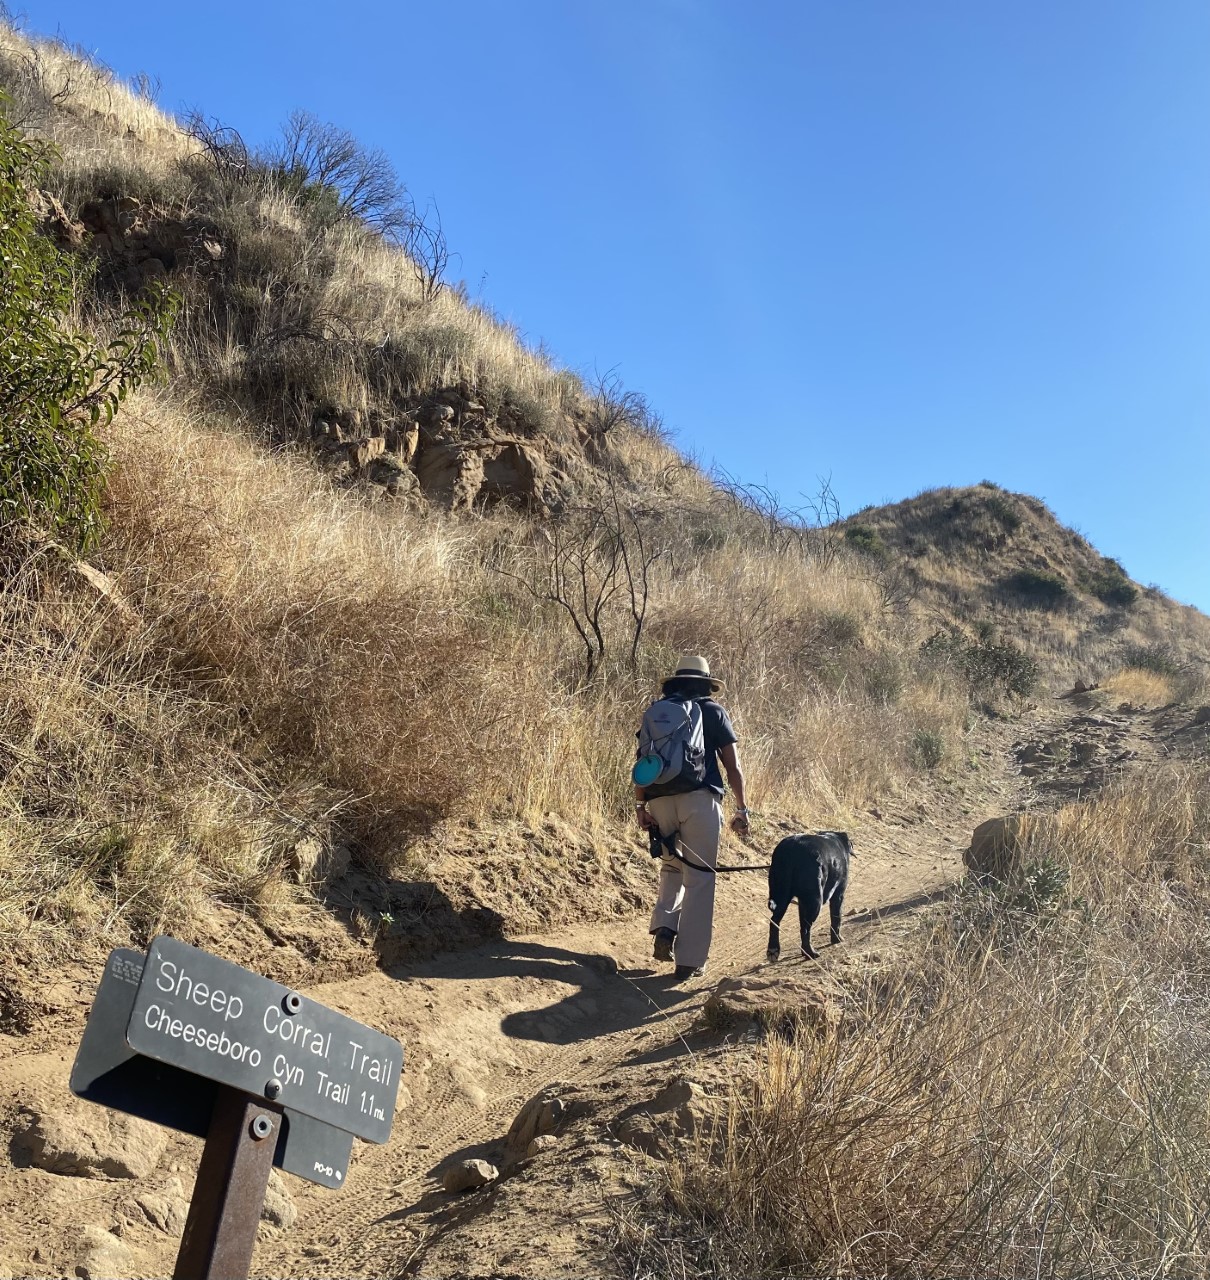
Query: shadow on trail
[600,998]
[872,915]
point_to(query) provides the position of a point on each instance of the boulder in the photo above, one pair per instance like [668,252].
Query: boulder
[279,1209]
[773,1004]
[450,473]
[362,452]
[84,1140]
[103,1256]
[403,439]
[461,474]
[467,1175]
[996,850]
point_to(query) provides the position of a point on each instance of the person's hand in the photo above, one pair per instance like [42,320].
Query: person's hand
[740,824]
[646,821]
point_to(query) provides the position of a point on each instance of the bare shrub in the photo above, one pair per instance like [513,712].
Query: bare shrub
[587,562]
[316,157]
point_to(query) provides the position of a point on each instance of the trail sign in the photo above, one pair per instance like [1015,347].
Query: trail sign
[107,1071]
[217,1020]
[188,1040]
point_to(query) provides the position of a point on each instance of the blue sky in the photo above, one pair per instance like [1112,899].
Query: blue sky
[897,242]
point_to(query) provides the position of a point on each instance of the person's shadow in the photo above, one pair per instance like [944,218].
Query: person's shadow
[600,998]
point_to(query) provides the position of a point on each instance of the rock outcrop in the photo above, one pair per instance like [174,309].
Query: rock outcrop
[86,1141]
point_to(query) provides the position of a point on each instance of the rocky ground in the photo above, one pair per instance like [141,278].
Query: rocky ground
[543,1068]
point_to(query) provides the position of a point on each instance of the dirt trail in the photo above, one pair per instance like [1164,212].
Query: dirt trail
[487,1028]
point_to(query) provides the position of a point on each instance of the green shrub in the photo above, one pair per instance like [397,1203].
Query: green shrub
[985,664]
[1160,658]
[1110,584]
[1037,589]
[56,386]
[1004,511]
[866,540]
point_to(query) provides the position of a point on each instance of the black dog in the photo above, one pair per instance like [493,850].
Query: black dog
[813,869]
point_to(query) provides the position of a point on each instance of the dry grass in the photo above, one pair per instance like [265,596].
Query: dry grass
[1140,688]
[123,808]
[298,660]
[1027,1099]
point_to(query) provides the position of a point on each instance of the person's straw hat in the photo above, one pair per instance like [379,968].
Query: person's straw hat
[692,666]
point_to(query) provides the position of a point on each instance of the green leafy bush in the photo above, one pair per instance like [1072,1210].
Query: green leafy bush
[56,386]
[866,540]
[985,663]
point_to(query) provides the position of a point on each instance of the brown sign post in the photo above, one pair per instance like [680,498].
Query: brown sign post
[220,1232]
[189,1040]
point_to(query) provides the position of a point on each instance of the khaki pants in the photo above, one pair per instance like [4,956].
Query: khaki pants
[686,899]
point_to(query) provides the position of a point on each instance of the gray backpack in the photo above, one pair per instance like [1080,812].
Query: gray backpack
[672,747]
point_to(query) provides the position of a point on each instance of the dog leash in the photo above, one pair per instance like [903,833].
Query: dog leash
[658,844]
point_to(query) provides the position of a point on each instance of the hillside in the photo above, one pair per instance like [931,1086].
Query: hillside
[345,691]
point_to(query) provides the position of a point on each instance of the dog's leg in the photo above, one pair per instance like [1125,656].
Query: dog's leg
[836,906]
[808,911]
[777,909]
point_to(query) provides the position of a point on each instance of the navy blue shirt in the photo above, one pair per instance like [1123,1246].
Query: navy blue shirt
[719,733]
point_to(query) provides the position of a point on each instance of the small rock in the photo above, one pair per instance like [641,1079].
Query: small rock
[279,1209]
[601,963]
[104,1256]
[83,1140]
[676,1094]
[543,1142]
[1202,715]
[439,413]
[642,1133]
[773,1004]
[166,1209]
[541,1114]
[469,1174]
[1084,751]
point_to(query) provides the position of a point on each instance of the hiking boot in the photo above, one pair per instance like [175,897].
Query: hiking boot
[684,971]
[664,938]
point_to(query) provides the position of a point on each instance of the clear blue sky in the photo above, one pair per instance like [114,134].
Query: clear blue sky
[900,242]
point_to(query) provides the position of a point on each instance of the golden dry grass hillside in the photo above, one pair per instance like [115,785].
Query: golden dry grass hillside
[374,565]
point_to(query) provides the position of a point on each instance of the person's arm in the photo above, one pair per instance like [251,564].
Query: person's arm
[646,821]
[729,758]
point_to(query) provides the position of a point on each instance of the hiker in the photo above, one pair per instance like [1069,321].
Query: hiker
[690,805]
